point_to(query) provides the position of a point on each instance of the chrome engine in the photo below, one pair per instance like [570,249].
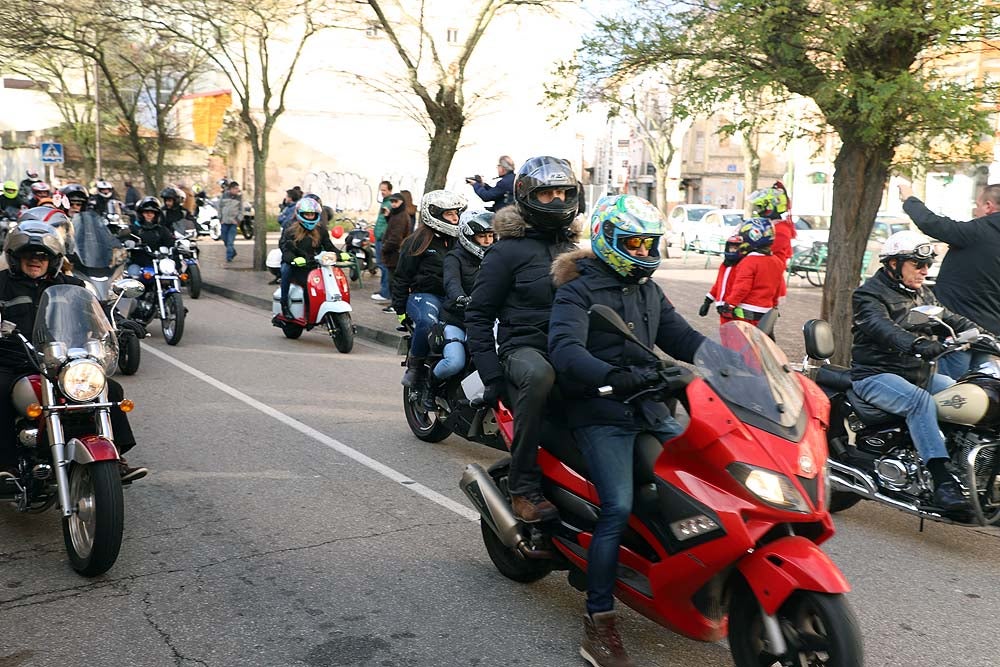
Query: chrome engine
[902,472]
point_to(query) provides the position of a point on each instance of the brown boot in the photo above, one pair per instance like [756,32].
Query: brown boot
[533,508]
[602,645]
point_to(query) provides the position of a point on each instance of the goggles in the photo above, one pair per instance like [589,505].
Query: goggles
[636,242]
[923,251]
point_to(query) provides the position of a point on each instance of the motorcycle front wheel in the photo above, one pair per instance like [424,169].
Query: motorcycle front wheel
[129,352]
[194,280]
[425,425]
[93,534]
[341,330]
[172,321]
[818,628]
[215,230]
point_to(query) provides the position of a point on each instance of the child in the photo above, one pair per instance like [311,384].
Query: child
[730,258]
[757,281]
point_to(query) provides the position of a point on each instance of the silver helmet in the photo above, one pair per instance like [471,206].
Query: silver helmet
[474,222]
[435,203]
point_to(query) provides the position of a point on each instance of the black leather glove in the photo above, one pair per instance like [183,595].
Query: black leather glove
[628,381]
[462,301]
[493,393]
[928,348]
[703,311]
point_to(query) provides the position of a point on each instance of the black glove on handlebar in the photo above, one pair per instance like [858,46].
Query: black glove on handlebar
[703,311]
[628,381]
[493,393]
[928,348]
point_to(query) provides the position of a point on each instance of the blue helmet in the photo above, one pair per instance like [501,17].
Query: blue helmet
[307,212]
[620,220]
[757,235]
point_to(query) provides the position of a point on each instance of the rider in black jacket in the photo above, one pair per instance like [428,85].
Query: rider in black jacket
[514,287]
[34,255]
[151,234]
[175,217]
[889,362]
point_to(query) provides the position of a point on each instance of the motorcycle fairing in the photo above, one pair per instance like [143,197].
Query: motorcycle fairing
[778,569]
[332,307]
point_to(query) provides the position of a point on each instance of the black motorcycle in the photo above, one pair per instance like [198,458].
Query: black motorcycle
[872,456]
[246,224]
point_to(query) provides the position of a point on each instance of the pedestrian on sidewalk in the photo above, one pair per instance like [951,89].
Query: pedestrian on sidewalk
[381,223]
[397,230]
[230,214]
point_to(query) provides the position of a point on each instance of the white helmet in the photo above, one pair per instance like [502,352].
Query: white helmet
[435,203]
[907,244]
[474,222]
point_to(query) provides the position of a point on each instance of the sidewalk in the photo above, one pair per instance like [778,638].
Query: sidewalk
[238,281]
[684,280]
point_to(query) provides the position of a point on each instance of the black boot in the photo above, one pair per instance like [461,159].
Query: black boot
[428,395]
[414,371]
[286,310]
[949,497]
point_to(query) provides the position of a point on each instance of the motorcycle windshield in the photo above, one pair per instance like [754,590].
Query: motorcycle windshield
[71,315]
[95,244]
[749,372]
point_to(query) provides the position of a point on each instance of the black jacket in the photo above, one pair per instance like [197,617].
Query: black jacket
[969,280]
[172,216]
[881,344]
[583,359]
[501,194]
[419,274]
[304,247]
[514,287]
[19,297]
[154,237]
[460,270]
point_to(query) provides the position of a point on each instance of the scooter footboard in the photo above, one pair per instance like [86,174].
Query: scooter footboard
[789,564]
[91,448]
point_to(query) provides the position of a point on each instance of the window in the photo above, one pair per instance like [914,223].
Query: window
[372,29]
[453,35]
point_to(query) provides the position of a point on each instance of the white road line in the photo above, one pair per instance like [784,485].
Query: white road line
[321,438]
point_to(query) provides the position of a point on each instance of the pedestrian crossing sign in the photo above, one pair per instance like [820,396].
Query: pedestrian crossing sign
[52,153]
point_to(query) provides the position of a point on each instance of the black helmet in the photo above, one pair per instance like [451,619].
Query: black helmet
[33,236]
[75,192]
[546,173]
[148,204]
[170,193]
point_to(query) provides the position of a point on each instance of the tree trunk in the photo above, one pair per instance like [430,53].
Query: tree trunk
[860,176]
[662,180]
[751,163]
[444,143]
[259,207]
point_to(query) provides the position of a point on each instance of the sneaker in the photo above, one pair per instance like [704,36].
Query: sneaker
[533,508]
[378,297]
[602,644]
[949,497]
[130,474]
[389,309]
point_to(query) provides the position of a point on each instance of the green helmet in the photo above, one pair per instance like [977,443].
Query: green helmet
[10,189]
[769,203]
[617,219]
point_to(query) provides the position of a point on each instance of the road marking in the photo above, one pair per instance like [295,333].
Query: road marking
[322,438]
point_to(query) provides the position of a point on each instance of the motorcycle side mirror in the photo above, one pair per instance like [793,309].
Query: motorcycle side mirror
[128,288]
[818,336]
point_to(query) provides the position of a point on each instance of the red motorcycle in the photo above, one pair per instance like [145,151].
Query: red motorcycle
[727,518]
[328,302]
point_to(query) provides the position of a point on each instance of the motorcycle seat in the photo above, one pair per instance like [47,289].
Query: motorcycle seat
[868,413]
[834,377]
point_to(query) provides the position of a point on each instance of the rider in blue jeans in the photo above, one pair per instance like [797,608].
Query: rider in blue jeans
[418,281]
[889,362]
[615,271]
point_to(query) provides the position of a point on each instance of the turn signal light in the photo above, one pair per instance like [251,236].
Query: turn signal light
[126,405]
[34,411]
[184,277]
[147,275]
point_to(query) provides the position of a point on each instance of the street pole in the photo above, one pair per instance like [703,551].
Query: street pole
[97,125]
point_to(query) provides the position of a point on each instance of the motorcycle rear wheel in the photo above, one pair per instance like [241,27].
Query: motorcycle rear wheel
[215,230]
[129,353]
[819,629]
[194,280]
[93,534]
[507,562]
[246,227]
[173,318]
[341,330]
[426,426]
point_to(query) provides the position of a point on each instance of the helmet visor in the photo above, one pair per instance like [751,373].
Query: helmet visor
[310,216]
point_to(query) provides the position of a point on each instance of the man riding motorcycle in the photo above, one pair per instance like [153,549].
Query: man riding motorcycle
[24,189]
[10,200]
[150,232]
[174,215]
[889,363]
[34,256]
[75,198]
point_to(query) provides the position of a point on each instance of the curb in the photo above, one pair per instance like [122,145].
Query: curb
[392,339]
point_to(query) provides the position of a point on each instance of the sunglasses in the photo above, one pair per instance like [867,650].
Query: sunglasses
[636,242]
[922,263]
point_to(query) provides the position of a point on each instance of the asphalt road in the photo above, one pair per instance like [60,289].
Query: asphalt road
[291,519]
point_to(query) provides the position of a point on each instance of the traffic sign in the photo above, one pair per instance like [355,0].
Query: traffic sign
[52,153]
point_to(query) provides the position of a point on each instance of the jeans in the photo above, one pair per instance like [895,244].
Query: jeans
[286,281]
[894,394]
[423,309]
[530,378]
[229,238]
[957,364]
[384,284]
[453,356]
[609,451]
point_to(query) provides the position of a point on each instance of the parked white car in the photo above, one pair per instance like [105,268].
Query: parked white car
[680,220]
[711,232]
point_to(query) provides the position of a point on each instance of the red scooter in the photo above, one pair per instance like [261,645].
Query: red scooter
[328,302]
[727,518]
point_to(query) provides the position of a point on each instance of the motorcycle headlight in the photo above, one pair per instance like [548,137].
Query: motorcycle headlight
[328,258]
[167,266]
[82,380]
[769,486]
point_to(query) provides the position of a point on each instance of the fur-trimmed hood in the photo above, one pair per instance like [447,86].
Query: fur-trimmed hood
[508,224]
[565,268]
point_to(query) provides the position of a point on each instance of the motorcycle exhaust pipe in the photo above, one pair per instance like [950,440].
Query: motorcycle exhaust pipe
[478,486]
